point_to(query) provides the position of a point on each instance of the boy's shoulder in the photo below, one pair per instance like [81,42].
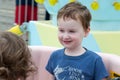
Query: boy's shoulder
[93,53]
[57,53]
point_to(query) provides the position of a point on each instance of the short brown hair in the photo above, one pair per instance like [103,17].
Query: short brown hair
[76,11]
[15,57]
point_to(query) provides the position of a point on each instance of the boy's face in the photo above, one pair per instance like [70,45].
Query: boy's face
[71,33]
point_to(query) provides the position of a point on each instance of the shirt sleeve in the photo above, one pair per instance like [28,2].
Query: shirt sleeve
[100,70]
[49,65]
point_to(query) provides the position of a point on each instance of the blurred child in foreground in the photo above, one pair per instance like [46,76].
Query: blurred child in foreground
[15,58]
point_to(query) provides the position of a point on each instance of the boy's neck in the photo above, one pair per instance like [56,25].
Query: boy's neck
[75,52]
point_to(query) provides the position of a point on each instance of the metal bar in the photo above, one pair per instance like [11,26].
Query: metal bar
[32,11]
[19,12]
[26,10]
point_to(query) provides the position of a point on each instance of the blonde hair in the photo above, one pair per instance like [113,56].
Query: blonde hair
[15,57]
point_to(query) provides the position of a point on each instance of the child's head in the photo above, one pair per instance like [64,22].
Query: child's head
[76,11]
[73,24]
[15,57]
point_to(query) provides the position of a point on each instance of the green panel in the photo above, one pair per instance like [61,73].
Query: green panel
[108,41]
[48,34]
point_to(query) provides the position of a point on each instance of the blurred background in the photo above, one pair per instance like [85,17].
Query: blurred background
[7,13]
[105,24]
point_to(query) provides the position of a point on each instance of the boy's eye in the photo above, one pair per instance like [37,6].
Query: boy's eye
[61,30]
[72,31]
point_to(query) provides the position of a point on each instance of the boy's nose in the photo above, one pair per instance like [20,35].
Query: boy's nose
[66,36]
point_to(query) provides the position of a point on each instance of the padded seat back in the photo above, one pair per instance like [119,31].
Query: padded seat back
[41,54]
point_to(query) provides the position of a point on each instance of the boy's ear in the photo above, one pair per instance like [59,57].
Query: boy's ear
[87,32]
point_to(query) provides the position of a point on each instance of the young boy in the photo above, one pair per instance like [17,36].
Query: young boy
[15,58]
[74,62]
